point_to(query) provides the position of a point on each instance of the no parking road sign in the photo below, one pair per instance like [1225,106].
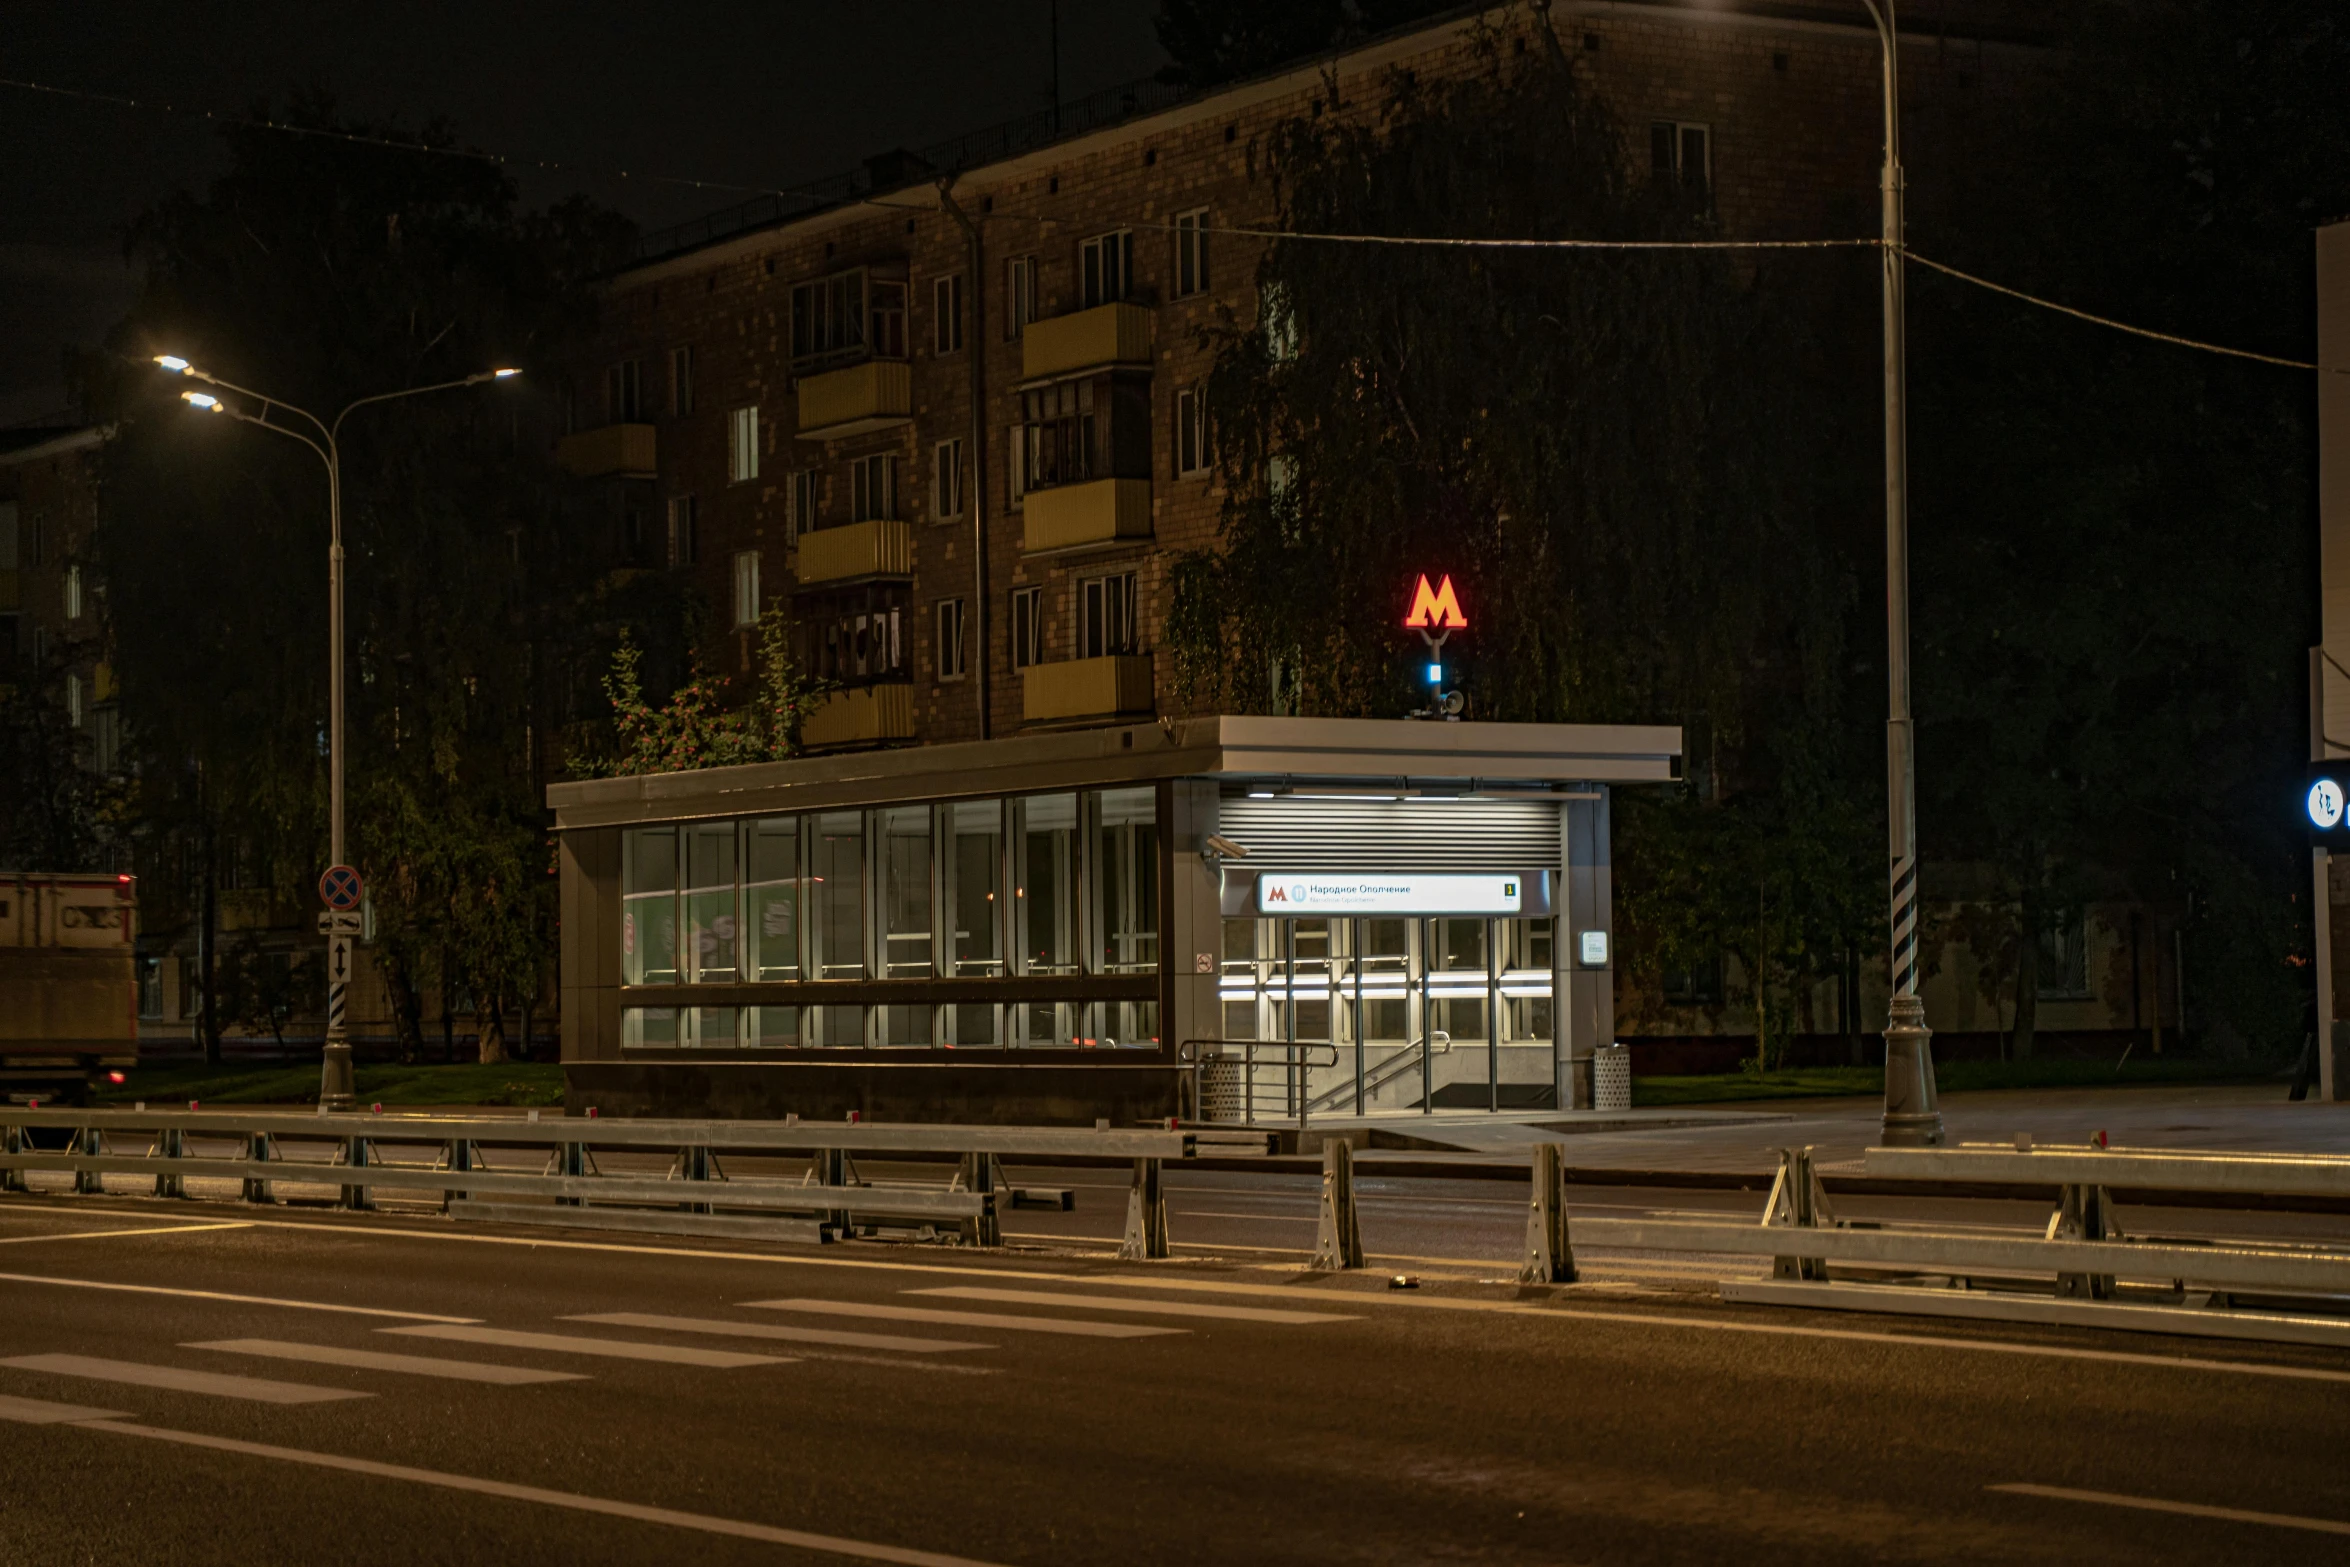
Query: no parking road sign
[340,888]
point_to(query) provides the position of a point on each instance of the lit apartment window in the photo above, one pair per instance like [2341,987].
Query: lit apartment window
[1191,431]
[1106,267]
[684,530]
[889,320]
[73,700]
[950,639]
[1681,154]
[1278,322]
[873,488]
[623,393]
[946,484]
[803,502]
[742,445]
[746,589]
[946,315]
[1027,627]
[681,381]
[73,592]
[1191,252]
[1105,615]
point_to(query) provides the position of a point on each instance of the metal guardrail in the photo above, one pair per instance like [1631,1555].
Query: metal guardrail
[695,1197]
[2081,1268]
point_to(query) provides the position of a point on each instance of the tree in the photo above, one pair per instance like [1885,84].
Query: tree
[695,727]
[322,269]
[1214,41]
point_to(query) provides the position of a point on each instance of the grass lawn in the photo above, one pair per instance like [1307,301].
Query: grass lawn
[515,1083]
[1809,1082]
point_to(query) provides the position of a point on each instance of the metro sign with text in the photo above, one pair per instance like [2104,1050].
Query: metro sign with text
[1437,608]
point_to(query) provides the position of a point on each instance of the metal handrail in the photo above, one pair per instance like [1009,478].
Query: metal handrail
[1393,1067]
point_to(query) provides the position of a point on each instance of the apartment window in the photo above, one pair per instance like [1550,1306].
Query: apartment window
[803,502]
[1191,431]
[1027,627]
[1105,616]
[1106,267]
[1097,427]
[73,592]
[681,381]
[946,482]
[852,635]
[73,700]
[828,315]
[746,589]
[1019,295]
[1278,322]
[106,740]
[946,315]
[889,320]
[742,445]
[623,393]
[950,639]
[684,530]
[873,488]
[1681,154]
[2064,958]
[1191,252]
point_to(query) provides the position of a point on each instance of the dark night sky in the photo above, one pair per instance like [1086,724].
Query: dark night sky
[753,93]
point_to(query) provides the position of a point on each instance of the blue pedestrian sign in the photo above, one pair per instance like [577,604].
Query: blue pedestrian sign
[340,888]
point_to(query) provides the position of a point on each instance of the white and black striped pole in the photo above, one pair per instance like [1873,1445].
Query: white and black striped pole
[1913,1116]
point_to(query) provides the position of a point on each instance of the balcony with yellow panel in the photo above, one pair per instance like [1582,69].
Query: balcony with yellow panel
[875,395]
[1099,511]
[1116,334]
[613,450]
[867,715]
[880,548]
[1081,688]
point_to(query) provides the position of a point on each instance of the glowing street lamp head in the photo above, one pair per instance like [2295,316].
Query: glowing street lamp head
[500,375]
[174,363]
[201,400]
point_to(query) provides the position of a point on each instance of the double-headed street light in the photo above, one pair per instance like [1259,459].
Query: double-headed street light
[335,1082]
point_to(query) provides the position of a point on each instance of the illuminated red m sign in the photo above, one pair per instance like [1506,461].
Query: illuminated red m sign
[1436,609]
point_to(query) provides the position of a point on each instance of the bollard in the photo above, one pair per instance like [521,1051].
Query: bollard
[1550,1255]
[1798,1201]
[1338,1243]
[1146,1215]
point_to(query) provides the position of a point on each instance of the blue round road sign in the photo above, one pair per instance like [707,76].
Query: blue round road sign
[340,888]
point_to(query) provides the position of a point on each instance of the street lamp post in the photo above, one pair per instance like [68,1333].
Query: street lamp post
[335,1080]
[1913,1117]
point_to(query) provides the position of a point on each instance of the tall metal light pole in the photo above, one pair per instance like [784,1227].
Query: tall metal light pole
[1913,1116]
[334,1076]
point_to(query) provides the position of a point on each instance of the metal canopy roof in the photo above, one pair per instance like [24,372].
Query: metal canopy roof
[1397,755]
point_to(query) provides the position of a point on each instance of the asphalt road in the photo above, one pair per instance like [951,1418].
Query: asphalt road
[200,1383]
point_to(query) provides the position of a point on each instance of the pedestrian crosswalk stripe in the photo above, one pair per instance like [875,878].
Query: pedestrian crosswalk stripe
[377,1360]
[40,1412]
[570,1344]
[769,1330]
[975,1321]
[1163,1308]
[259,1390]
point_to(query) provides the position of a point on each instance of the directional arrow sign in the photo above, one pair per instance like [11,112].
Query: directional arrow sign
[339,922]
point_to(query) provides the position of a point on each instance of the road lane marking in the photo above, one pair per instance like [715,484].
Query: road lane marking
[99,1235]
[1164,1308]
[772,1330]
[2156,1504]
[610,1348]
[377,1360]
[234,1300]
[40,1412]
[975,1320]
[1411,1301]
[861,1550]
[178,1379]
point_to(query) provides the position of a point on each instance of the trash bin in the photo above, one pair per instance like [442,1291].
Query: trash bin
[1611,1077]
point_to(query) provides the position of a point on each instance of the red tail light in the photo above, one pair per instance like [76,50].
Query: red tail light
[114,1078]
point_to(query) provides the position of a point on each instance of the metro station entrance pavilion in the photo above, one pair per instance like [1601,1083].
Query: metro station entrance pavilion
[1222,918]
